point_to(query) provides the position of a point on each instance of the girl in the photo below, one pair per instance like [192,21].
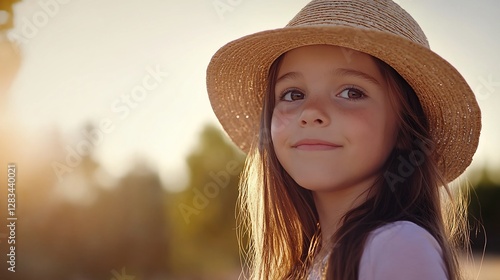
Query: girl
[353,128]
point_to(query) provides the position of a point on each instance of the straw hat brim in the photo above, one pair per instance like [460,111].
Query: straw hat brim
[237,79]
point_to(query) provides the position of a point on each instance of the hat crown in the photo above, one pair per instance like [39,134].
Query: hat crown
[373,15]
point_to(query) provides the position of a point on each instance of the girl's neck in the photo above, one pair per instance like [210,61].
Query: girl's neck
[333,205]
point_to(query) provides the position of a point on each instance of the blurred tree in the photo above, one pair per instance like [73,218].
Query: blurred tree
[204,214]
[78,229]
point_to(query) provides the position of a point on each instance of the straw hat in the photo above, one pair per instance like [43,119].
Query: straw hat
[237,73]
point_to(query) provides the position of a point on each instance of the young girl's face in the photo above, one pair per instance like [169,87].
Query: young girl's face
[333,125]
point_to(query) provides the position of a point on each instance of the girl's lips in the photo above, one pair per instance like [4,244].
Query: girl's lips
[314,145]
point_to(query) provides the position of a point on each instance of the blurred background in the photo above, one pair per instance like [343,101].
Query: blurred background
[122,169]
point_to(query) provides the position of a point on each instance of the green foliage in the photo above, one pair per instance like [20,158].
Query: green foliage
[204,214]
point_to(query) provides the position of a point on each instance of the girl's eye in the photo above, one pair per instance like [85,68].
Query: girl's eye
[351,93]
[292,95]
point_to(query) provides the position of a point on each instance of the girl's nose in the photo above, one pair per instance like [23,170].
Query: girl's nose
[314,114]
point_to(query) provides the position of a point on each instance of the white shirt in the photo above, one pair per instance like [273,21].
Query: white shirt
[397,251]
[401,250]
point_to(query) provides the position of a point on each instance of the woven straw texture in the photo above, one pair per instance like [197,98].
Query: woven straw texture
[237,73]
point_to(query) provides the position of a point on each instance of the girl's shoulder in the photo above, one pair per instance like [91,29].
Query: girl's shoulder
[406,231]
[401,250]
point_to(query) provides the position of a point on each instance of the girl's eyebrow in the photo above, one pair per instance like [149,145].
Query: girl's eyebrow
[289,75]
[335,72]
[355,73]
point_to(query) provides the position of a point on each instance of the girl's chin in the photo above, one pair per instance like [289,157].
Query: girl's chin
[320,186]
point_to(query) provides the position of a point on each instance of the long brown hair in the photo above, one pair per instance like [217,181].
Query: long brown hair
[282,220]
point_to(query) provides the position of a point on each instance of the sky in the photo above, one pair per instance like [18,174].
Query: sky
[83,59]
